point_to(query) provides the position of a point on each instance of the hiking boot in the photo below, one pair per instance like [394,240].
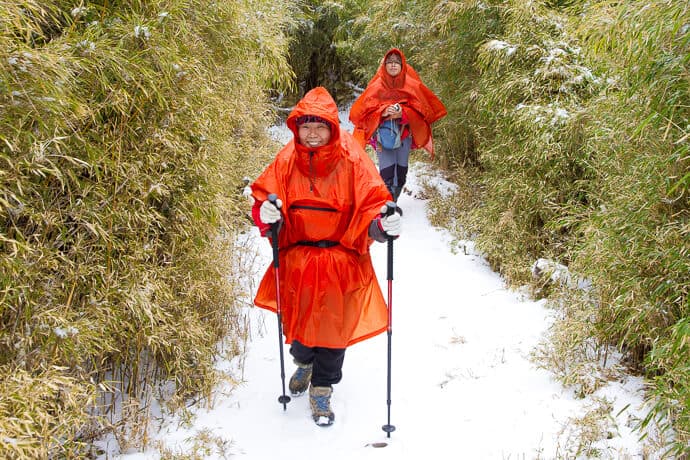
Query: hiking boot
[320,401]
[299,382]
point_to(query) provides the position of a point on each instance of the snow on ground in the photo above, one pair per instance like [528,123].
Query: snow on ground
[463,385]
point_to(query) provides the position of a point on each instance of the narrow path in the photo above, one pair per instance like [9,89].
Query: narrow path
[463,384]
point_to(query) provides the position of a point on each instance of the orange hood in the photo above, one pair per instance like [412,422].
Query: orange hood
[421,105]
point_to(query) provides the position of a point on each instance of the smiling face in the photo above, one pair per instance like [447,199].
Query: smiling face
[314,134]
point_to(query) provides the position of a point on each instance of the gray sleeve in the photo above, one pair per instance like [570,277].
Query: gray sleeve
[376,233]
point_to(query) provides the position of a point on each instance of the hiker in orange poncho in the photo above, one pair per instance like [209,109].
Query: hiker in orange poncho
[397,97]
[329,210]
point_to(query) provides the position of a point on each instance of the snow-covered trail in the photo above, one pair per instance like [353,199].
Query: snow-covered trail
[460,343]
[463,386]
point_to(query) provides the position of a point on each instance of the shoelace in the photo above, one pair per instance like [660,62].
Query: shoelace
[301,372]
[322,403]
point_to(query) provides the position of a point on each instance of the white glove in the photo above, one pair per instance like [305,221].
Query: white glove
[391,224]
[270,213]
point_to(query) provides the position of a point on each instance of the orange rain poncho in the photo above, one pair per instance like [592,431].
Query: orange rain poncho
[420,104]
[330,297]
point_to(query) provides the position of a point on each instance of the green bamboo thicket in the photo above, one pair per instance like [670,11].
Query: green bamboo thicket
[314,54]
[568,134]
[126,129]
[635,243]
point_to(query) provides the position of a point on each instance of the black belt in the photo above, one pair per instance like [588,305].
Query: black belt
[319,244]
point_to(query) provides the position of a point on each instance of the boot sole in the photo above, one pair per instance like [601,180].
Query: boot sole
[324,420]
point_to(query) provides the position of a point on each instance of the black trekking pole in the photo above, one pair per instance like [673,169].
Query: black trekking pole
[283,399]
[391,208]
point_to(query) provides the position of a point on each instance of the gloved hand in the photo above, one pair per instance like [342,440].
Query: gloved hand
[390,224]
[270,213]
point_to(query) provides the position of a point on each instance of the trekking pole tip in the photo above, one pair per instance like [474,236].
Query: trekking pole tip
[284,399]
[388,429]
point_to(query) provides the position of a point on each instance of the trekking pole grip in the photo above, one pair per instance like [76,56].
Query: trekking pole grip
[273,198]
[391,208]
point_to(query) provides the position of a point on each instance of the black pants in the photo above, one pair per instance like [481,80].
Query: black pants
[395,178]
[327,362]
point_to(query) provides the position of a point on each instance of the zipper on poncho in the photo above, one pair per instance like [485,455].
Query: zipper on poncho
[311,171]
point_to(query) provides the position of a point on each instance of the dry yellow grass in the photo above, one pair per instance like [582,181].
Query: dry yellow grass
[126,130]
